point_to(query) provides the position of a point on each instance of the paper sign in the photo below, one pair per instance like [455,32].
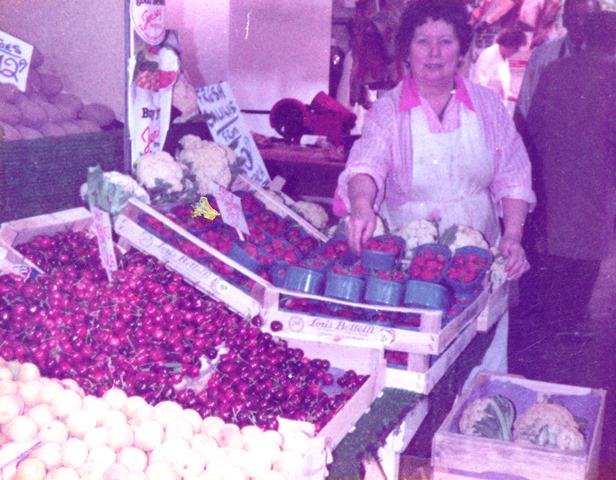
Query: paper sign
[150,104]
[230,206]
[101,225]
[228,128]
[148,18]
[15,56]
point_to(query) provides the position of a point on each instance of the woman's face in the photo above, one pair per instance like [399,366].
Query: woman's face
[434,53]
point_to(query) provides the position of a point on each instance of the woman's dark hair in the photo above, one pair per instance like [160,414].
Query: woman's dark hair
[419,11]
[512,38]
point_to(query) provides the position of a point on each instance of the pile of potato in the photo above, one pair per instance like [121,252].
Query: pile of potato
[46,109]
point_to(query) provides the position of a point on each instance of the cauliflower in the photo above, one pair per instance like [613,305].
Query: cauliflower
[312,212]
[498,275]
[417,232]
[458,236]
[548,424]
[490,417]
[207,161]
[185,100]
[112,190]
[156,170]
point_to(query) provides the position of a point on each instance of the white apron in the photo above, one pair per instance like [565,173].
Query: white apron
[452,172]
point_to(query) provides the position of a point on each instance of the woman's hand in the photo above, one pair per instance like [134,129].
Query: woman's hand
[361,226]
[512,251]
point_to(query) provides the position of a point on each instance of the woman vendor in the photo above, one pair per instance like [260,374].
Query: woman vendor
[439,146]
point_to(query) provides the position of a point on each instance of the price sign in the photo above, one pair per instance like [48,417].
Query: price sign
[148,18]
[15,56]
[102,229]
[227,127]
[230,206]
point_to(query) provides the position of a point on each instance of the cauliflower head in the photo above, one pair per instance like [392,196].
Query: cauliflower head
[206,161]
[548,424]
[312,212]
[417,232]
[458,236]
[490,417]
[156,169]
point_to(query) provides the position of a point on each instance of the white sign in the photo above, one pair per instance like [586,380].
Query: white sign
[101,225]
[230,206]
[15,58]
[148,18]
[227,127]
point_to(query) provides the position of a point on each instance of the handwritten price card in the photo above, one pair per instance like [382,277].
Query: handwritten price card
[228,128]
[230,206]
[101,225]
[148,18]
[15,56]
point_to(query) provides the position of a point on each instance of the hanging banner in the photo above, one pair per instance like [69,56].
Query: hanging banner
[15,56]
[228,128]
[156,71]
[148,19]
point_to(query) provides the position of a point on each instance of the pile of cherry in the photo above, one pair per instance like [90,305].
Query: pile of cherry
[147,330]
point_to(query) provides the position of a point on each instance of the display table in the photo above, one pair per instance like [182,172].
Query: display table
[310,171]
[394,405]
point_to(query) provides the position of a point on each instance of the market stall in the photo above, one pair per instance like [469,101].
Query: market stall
[202,320]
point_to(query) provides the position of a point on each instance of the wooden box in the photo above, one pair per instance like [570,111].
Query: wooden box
[432,337]
[498,304]
[457,456]
[245,303]
[422,372]
[20,231]
[347,355]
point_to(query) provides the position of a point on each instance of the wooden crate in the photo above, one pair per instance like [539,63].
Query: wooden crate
[365,360]
[246,304]
[274,203]
[432,337]
[20,231]
[421,374]
[498,304]
[457,456]
[398,440]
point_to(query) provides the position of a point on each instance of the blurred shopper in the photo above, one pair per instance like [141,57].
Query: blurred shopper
[572,124]
[492,66]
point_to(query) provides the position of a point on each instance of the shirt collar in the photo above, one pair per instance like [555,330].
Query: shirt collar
[409,96]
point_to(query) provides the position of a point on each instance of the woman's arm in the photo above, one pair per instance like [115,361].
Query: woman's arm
[514,217]
[362,222]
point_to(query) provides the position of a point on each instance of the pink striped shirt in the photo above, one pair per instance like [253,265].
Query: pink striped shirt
[384,151]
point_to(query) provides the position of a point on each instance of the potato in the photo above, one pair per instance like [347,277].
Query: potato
[87,125]
[33,115]
[54,114]
[71,102]
[8,92]
[52,130]
[28,133]
[10,132]
[70,127]
[51,85]
[100,114]
[10,113]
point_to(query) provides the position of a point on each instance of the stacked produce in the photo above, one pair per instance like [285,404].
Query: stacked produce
[148,333]
[543,423]
[282,253]
[79,436]
[45,109]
